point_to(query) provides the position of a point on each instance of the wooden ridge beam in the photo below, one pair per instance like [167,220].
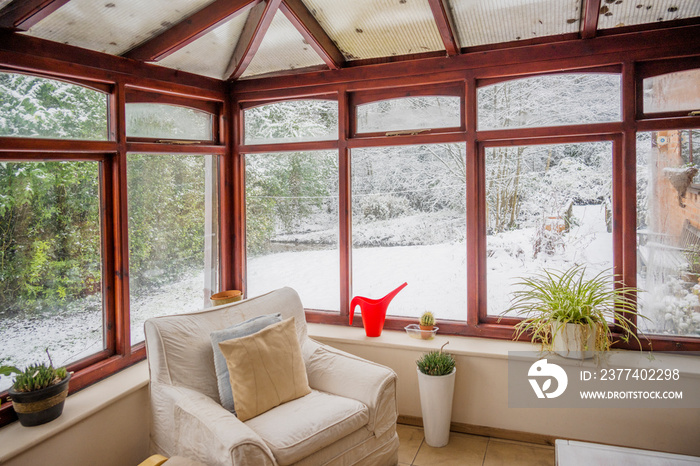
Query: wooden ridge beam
[190,29]
[23,14]
[257,24]
[297,13]
[445,25]
[590,12]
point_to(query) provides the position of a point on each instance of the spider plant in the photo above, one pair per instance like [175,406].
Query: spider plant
[552,299]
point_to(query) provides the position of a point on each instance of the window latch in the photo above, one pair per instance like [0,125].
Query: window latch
[177,141]
[694,113]
[406,132]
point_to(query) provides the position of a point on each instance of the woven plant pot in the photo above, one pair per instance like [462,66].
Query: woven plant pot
[226,297]
[40,406]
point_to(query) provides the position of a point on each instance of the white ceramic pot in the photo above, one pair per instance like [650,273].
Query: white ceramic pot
[436,406]
[568,342]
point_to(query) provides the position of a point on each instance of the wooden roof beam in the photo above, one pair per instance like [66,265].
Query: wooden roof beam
[297,13]
[590,11]
[257,24]
[23,14]
[445,24]
[190,29]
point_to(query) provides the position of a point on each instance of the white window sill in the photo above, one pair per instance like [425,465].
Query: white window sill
[493,348]
[15,439]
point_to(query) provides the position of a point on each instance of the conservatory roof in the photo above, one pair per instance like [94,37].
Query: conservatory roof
[239,39]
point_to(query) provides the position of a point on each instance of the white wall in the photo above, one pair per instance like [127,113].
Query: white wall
[481,399]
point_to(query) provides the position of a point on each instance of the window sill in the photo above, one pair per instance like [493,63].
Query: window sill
[15,439]
[494,349]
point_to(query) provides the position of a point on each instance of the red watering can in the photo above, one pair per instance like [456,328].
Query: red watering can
[373,311]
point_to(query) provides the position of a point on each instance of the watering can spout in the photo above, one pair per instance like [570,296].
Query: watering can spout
[373,311]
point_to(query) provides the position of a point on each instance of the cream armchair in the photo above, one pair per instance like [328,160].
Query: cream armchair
[348,418]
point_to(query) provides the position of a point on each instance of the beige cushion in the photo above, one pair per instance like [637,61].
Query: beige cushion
[266,369]
[301,427]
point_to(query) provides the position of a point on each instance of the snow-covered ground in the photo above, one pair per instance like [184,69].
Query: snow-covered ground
[435,273]
[76,332]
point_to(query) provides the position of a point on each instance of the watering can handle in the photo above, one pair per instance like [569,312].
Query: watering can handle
[355,302]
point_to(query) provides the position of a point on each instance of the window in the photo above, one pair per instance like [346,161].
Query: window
[148,120]
[50,263]
[547,206]
[291,121]
[672,92]
[408,225]
[173,235]
[668,239]
[292,226]
[555,100]
[409,113]
[33,107]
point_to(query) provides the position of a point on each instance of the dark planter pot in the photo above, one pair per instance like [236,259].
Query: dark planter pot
[40,406]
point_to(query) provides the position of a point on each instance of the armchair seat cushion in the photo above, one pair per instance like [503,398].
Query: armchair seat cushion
[300,427]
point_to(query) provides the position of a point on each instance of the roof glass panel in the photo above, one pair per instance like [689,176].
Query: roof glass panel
[210,54]
[494,21]
[553,100]
[409,113]
[617,14]
[378,28]
[672,92]
[4,3]
[113,26]
[282,48]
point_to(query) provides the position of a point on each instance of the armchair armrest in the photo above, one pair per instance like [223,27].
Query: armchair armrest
[205,431]
[340,373]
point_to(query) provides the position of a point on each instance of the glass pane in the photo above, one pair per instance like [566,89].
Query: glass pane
[44,108]
[168,122]
[292,121]
[547,207]
[673,92]
[50,263]
[173,235]
[409,225]
[292,226]
[489,22]
[668,235]
[566,99]
[618,13]
[409,113]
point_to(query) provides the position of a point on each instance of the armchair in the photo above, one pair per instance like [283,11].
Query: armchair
[348,418]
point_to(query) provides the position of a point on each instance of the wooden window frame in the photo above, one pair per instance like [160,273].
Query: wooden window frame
[119,353]
[477,323]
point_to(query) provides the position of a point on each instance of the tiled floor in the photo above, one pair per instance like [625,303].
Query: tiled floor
[466,450]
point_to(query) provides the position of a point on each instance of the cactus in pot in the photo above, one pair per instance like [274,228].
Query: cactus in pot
[38,392]
[427,322]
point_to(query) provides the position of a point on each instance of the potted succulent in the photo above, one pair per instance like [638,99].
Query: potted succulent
[436,384]
[569,314]
[427,323]
[38,392]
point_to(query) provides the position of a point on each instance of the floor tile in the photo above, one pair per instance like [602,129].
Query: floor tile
[411,439]
[463,450]
[517,454]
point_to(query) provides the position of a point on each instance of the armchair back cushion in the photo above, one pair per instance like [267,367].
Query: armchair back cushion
[183,356]
[246,328]
[266,369]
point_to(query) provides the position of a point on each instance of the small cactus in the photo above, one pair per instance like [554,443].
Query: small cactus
[427,319]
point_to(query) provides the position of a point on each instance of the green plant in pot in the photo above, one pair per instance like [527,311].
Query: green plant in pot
[567,313]
[436,383]
[38,392]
